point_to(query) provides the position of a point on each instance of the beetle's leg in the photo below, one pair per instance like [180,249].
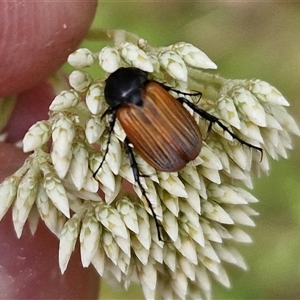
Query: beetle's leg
[137,175]
[110,131]
[168,88]
[207,116]
[212,119]
[146,175]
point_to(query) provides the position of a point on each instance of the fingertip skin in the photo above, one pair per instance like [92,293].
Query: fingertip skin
[31,106]
[37,37]
[11,158]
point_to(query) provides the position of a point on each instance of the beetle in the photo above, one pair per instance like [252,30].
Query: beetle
[157,124]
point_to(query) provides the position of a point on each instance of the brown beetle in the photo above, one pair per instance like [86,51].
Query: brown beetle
[168,136]
[161,130]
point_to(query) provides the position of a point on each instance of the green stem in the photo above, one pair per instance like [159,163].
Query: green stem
[117,36]
[209,84]
[97,35]
[7,105]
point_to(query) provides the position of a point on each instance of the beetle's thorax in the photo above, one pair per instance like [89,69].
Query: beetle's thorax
[133,97]
[125,86]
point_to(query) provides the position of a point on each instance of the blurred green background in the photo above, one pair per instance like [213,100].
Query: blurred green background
[246,40]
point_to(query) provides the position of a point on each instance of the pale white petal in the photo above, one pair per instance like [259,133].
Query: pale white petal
[285,120]
[245,194]
[111,219]
[195,232]
[156,252]
[109,59]
[187,268]
[217,213]
[61,163]
[211,174]
[171,183]
[221,276]
[180,284]
[80,81]
[148,276]
[186,210]
[63,133]
[193,56]
[33,220]
[211,233]
[252,131]
[94,129]
[209,252]
[91,184]
[114,155]
[239,235]
[47,211]
[249,106]
[187,248]
[125,246]
[128,214]
[65,100]
[190,175]
[8,193]
[169,201]
[239,216]
[143,220]
[95,98]
[79,165]
[227,111]
[57,193]
[26,195]
[173,64]
[89,239]
[193,198]
[110,247]
[37,135]
[170,225]
[67,241]
[141,253]
[210,159]
[81,58]
[170,256]
[106,177]
[98,261]
[135,57]
[204,281]
[225,193]
[239,260]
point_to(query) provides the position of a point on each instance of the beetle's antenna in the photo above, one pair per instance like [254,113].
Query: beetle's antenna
[110,131]
[136,175]
[212,119]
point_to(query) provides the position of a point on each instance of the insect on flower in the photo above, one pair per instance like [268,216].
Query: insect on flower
[159,127]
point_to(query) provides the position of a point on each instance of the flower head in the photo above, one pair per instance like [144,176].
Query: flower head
[200,208]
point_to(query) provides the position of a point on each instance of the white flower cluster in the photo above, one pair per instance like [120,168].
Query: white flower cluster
[201,207]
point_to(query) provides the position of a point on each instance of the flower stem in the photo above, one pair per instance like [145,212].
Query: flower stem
[7,105]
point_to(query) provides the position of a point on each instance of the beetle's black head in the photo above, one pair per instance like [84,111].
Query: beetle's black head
[125,86]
